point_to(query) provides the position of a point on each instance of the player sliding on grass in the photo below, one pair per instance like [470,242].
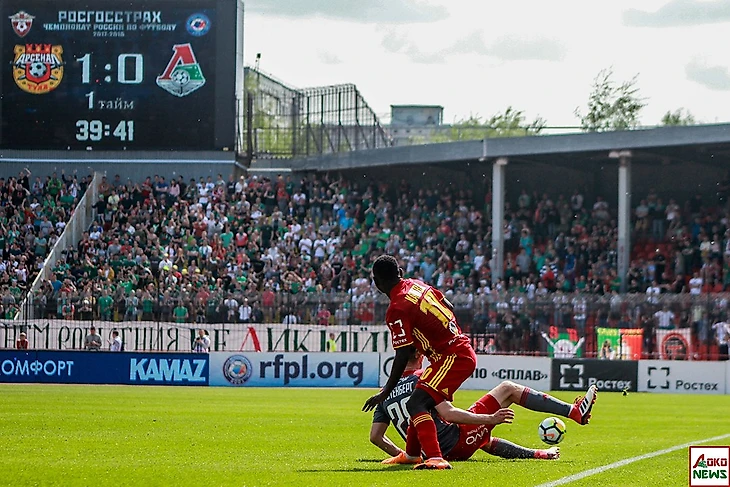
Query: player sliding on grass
[420,318]
[470,430]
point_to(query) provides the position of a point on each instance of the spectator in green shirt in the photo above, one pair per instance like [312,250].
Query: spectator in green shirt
[105,306]
[180,313]
[54,185]
[227,237]
[148,304]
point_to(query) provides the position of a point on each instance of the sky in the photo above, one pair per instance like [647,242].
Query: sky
[479,57]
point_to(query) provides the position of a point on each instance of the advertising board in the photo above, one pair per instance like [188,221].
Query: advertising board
[294,369]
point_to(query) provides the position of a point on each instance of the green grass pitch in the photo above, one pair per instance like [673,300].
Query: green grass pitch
[119,435]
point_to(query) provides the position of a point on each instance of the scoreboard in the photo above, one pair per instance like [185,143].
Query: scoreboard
[118,75]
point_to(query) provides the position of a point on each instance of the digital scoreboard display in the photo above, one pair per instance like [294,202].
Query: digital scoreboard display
[118,75]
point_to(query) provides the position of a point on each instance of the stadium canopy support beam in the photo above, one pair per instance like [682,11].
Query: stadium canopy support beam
[624,214]
[498,175]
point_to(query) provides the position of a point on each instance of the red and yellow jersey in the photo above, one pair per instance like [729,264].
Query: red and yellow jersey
[418,316]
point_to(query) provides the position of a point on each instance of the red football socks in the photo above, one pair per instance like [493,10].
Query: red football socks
[425,429]
[413,446]
[575,414]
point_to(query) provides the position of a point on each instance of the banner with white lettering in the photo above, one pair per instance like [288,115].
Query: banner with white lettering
[674,344]
[533,372]
[294,369]
[139,336]
[104,368]
[671,376]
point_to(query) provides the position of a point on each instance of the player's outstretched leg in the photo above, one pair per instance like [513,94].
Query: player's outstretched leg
[506,449]
[509,392]
[584,405]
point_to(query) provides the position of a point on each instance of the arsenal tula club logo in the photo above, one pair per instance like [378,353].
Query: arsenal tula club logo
[182,75]
[38,68]
[22,22]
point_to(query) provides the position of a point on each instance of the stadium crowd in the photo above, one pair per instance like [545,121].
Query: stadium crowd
[32,216]
[254,249]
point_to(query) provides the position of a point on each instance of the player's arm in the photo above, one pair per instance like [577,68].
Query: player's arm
[378,438]
[452,414]
[402,355]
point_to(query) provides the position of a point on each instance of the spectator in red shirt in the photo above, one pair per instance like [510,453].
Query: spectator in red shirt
[22,342]
[323,316]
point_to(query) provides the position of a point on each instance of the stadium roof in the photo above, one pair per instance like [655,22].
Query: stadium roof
[416,106]
[709,144]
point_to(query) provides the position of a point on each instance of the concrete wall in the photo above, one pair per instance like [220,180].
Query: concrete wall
[135,165]
[136,172]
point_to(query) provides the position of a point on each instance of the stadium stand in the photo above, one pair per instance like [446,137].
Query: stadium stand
[288,251]
[32,216]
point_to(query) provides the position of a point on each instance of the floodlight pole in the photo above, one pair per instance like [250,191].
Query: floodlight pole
[498,175]
[624,214]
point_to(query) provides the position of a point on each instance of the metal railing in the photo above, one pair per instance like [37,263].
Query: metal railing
[497,323]
[285,122]
[79,222]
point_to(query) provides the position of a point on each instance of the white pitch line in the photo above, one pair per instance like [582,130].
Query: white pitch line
[627,461]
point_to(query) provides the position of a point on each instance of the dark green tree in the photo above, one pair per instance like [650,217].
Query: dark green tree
[678,117]
[611,105]
[510,123]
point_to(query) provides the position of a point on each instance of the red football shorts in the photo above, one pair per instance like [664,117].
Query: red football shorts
[444,376]
[474,437]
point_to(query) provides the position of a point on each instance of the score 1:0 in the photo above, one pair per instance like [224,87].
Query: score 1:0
[122,78]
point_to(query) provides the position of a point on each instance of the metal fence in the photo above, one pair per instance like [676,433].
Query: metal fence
[497,323]
[79,222]
[285,122]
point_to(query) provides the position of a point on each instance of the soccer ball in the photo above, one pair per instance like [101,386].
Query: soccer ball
[551,430]
[180,77]
[37,70]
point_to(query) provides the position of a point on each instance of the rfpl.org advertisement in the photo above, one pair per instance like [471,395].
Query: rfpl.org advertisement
[294,369]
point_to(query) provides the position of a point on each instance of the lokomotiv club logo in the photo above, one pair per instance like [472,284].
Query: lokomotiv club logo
[21,22]
[38,68]
[182,75]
